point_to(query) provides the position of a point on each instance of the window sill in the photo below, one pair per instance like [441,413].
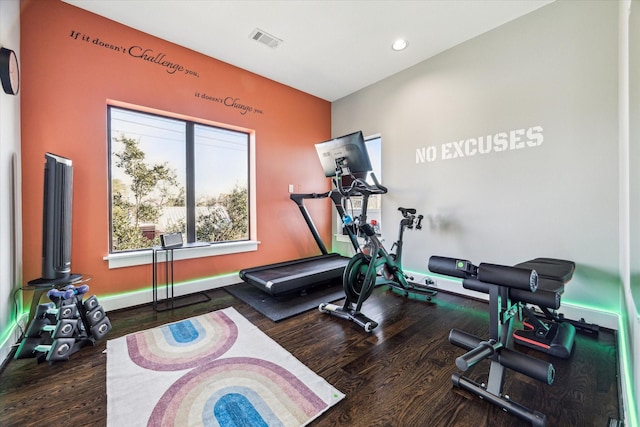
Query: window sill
[343,238]
[130,259]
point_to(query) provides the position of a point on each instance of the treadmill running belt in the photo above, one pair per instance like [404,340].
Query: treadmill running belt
[284,277]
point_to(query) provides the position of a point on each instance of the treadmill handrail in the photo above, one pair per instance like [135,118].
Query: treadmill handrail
[298,198]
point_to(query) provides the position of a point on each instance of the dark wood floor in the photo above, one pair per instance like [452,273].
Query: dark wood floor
[399,375]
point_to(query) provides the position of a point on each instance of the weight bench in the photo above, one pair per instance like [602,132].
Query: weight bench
[508,287]
[550,334]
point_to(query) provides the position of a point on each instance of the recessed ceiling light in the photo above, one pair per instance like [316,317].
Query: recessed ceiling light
[400,44]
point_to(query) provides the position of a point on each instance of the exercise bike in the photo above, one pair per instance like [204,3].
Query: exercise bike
[372,266]
[346,161]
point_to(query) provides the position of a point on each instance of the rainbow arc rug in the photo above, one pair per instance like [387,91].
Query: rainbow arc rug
[217,369]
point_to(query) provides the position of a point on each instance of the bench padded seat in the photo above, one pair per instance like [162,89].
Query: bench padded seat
[551,268]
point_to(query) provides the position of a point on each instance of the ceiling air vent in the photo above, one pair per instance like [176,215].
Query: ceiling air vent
[265,38]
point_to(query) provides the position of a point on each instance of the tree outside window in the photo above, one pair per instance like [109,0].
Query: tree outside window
[170,175]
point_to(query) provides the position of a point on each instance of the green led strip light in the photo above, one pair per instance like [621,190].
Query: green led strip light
[627,370]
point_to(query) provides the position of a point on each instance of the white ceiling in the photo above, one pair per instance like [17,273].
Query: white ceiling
[330,48]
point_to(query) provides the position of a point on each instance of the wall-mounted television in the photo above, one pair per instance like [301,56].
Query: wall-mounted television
[346,155]
[56,218]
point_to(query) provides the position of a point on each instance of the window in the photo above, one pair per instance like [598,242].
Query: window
[374,206]
[374,149]
[174,175]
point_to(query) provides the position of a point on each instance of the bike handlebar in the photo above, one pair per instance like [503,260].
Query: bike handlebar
[407,211]
[410,219]
[360,187]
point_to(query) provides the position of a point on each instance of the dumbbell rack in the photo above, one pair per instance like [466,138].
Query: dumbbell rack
[64,325]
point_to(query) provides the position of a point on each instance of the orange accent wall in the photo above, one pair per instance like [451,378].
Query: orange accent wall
[74,61]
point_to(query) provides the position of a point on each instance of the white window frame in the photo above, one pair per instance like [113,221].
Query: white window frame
[144,256]
[337,220]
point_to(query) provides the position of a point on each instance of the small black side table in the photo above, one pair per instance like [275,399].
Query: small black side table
[169,302]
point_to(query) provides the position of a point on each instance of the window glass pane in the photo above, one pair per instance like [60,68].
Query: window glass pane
[221,184]
[374,149]
[374,206]
[170,175]
[148,173]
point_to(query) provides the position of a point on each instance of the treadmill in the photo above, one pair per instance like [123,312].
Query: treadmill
[345,160]
[297,275]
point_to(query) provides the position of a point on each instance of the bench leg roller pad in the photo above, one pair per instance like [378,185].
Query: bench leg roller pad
[558,341]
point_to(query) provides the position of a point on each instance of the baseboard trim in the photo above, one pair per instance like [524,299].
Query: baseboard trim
[145,296]
[13,339]
[601,318]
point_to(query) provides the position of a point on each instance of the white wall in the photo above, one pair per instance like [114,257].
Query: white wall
[560,192]
[634,146]
[10,212]
[555,68]
[633,141]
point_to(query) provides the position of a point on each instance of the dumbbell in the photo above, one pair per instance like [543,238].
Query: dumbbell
[97,318]
[78,291]
[100,329]
[50,311]
[64,328]
[96,315]
[91,303]
[60,297]
[60,349]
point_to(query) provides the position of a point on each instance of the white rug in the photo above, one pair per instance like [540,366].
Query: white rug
[216,369]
